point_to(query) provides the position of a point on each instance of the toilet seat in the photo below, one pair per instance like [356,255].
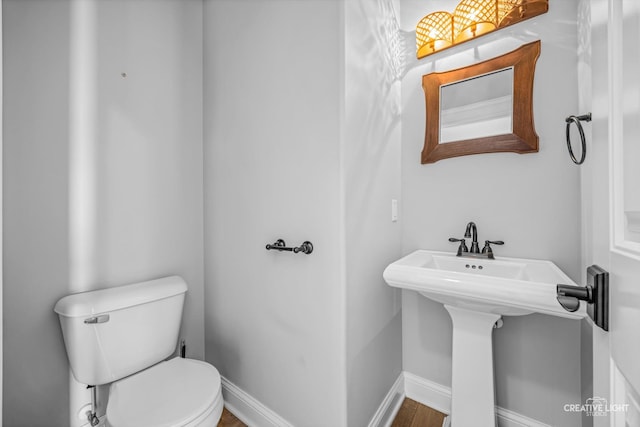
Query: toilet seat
[175,393]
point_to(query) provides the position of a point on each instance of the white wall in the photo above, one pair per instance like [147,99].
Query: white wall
[35,190]
[274,322]
[302,141]
[530,201]
[103,174]
[371,178]
[148,149]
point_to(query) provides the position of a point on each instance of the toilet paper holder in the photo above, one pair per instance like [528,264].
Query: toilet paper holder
[279,245]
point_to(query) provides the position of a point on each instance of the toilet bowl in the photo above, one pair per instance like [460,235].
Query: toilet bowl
[176,393]
[123,336]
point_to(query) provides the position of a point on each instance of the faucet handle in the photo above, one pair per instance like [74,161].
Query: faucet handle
[462,248]
[487,248]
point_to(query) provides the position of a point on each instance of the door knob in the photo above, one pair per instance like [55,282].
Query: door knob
[596,295]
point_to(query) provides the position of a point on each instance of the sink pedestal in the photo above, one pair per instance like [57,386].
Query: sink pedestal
[472,392]
[477,293]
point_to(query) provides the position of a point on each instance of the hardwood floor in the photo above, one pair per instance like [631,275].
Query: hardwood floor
[230,420]
[414,414]
[411,414]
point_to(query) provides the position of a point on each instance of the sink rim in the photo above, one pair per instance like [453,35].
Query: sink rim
[409,273]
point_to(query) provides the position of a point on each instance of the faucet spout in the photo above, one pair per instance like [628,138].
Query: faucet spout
[471,228]
[472,232]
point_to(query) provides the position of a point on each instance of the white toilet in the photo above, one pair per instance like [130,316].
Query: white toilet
[122,336]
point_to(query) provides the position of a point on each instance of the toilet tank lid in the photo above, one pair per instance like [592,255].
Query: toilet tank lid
[119,297]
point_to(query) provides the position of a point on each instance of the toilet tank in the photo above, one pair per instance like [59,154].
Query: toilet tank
[112,333]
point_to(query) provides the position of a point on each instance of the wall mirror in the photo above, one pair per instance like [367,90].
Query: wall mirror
[483,108]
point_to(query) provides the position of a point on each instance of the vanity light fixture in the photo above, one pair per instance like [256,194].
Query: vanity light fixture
[471,19]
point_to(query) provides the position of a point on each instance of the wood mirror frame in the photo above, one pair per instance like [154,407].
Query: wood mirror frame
[523,138]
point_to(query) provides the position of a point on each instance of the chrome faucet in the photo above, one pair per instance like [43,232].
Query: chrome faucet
[472,232]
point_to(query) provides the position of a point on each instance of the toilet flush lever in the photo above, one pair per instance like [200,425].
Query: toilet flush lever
[103,318]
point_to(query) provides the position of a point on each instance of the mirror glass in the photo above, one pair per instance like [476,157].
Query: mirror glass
[477,107]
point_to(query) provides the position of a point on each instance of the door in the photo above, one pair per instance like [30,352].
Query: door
[625,206]
[611,190]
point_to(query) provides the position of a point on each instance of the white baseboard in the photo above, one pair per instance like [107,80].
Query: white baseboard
[507,418]
[433,395]
[249,410]
[390,405]
[438,397]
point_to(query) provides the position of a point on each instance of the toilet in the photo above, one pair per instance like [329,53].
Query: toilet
[122,336]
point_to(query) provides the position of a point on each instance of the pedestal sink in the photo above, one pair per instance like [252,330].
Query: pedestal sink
[477,292]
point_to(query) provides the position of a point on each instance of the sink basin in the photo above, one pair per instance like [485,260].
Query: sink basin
[477,292]
[504,286]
